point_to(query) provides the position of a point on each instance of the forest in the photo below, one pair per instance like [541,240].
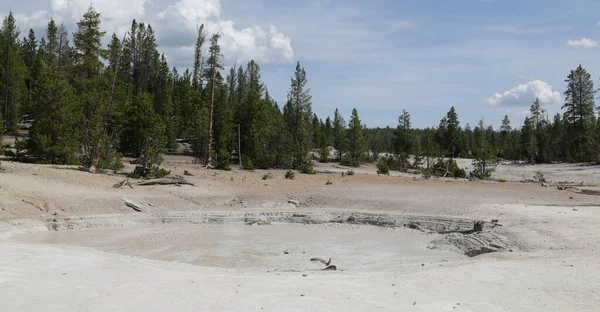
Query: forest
[83,103]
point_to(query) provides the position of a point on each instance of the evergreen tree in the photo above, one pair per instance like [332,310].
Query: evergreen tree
[528,139]
[54,136]
[12,73]
[538,141]
[579,119]
[328,132]
[357,144]
[297,113]
[214,67]
[52,43]
[223,128]
[505,130]
[404,140]
[429,147]
[92,87]
[340,139]
[163,102]
[64,51]
[152,137]
[449,133]
[199,111]
[88,44]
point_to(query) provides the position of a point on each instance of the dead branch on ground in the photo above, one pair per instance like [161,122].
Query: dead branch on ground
[176,180]
[123,183]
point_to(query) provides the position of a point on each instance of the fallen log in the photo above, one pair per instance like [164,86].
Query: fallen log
[176,180]
[133,205]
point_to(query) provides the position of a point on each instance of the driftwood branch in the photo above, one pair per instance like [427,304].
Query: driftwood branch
[133,205]
[176,180]
[123,183]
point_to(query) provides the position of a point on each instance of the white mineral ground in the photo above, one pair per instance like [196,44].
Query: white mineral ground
[134,266]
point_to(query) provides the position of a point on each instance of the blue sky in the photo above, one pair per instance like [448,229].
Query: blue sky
[487,58]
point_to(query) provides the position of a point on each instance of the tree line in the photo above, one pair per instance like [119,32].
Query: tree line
[89,104]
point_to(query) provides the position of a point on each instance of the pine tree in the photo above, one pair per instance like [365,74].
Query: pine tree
[64,51]
[52,43]
[54,136]
[214,66]
[223,128]
[356,142]
[92,87]
[537,141]
[340,139]
[163,102]
[153,140]
[198,100]
[579,115]
[12,73]
[528,141]
[29,52]
[429,147]
[505,130]
[297,113]
[449,133]
[404,140]
[88,44]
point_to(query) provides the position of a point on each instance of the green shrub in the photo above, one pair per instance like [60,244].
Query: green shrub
[153,172]
[324,155]
[350,161]
[267,176]
[484,164]
[223,160]
[290,174]
[247,163]
[328,182]
[350,172]
[447,168]
[307,167]
[383,167]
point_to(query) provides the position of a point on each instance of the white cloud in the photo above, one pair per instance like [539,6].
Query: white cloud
[583,43]
[38,19]
[175,27]
[193,11]
[514,29]
[265,46]
[525,94]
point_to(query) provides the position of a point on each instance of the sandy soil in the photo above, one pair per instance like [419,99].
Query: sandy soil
[142,268]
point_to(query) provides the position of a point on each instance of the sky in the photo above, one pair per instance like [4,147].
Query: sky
[487,58]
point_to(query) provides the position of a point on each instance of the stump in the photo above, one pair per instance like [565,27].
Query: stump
[477,226]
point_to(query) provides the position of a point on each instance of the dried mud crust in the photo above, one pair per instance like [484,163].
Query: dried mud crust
[458,233]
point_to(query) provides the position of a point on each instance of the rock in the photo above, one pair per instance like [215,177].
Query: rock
[133,205]
[304,275]
[294,202]
[545,184]
[476,243]
[286,252]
